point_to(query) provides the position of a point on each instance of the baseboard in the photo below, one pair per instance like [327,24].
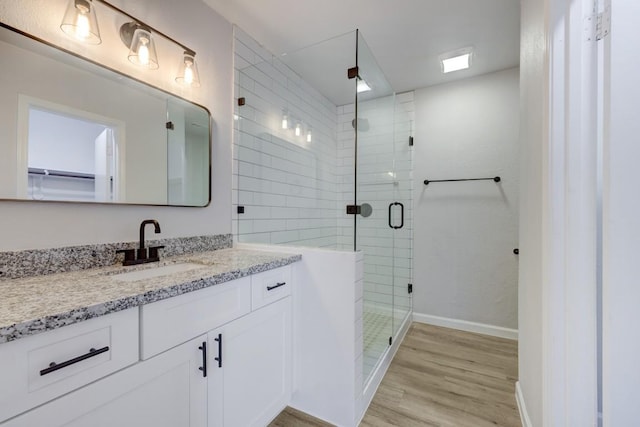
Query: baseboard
[524,416]
[464,325]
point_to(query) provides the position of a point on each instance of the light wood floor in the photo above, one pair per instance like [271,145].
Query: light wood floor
[440,377]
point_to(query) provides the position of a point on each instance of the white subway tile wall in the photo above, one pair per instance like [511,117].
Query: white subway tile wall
[286,184]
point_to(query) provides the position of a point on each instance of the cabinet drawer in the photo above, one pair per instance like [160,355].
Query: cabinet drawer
[42,367]
[270,286]
[167,323]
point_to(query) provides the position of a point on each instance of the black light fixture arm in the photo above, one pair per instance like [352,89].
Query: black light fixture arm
[147,26]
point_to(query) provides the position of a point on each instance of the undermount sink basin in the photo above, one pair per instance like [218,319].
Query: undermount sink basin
[150,273]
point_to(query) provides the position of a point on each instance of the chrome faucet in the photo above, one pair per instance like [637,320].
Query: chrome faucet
[133,257]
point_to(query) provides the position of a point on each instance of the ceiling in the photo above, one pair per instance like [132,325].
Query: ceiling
[406,37]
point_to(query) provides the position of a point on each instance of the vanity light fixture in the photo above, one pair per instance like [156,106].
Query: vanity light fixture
[309,135]
[362,86]
[285,121]
[188,74]
[298,129]
[80,22]
[456,61]
[142,47]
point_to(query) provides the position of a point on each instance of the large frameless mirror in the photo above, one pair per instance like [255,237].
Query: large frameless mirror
[77,132]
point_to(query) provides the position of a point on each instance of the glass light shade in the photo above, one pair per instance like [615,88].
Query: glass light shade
[80,22]
[143,49]
[309,135]
[188,74]
[298,129]
[285,122]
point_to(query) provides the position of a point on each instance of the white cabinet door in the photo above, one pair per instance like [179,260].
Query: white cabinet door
[251,383]
[168,390]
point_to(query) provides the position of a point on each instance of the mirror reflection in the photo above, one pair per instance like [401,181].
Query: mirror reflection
[74,131]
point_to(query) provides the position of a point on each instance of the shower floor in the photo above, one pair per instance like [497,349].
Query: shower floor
[378,325]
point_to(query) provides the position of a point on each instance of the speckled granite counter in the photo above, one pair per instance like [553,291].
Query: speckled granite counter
[36,304]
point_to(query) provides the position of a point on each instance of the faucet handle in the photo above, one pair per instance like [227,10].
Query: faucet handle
[129,254]
[153,252]
[141,253]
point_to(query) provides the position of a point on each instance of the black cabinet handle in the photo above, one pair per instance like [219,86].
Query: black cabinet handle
[53,366]
[203,368]
[277,285]
[219,358]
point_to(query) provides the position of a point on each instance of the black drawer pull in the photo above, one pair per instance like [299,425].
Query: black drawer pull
[53,366]
[277,285]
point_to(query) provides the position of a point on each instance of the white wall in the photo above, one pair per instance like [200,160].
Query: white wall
[534,87]
[621,293]
[465,232]
[33,225]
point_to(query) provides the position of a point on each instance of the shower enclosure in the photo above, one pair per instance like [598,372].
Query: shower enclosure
[323,158]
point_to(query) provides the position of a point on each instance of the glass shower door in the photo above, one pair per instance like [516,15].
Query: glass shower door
[383,191]
[374,226]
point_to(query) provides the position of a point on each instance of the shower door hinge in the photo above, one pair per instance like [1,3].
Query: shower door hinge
[169,125]
[410,288]
[352,73]
[410,141]
[353,209]
[390,340]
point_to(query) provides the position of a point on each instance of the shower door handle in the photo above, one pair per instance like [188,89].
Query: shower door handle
[391,205]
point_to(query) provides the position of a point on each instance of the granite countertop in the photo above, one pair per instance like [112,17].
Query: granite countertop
[40,303]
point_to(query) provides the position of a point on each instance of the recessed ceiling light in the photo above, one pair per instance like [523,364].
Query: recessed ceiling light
[456,61]
[362,86]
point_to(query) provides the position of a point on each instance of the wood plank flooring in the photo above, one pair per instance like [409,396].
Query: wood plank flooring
[440,377]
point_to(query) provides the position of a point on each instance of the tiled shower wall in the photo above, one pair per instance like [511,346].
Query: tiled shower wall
[286,184]
[384,176]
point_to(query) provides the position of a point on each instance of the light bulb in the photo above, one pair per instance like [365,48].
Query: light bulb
[82,26]
[298,130]
[188,74]
[143,51]
[285,122]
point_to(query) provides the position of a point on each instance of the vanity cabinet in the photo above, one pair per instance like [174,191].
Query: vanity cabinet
[250,369]
[219,356]
[168,390]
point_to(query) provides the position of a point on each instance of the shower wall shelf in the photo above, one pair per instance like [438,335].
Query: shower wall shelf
[494,179]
